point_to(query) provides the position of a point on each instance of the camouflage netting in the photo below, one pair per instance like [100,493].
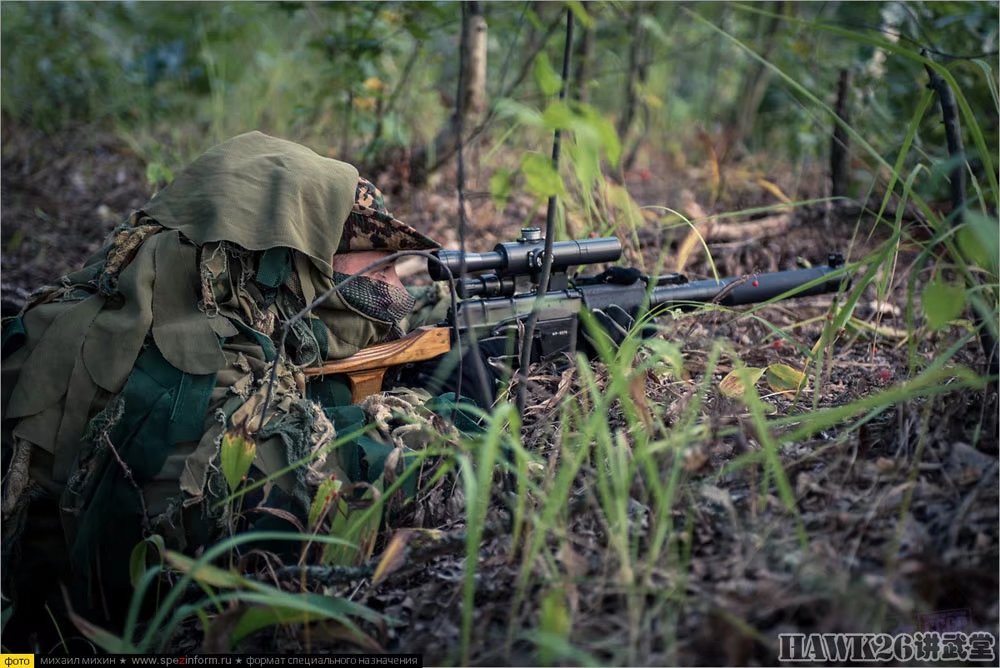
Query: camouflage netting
[119,383]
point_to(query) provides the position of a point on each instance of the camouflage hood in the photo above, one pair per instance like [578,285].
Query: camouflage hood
[371,226]
[261,192]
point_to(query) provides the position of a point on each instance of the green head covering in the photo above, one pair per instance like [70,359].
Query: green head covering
[261,192]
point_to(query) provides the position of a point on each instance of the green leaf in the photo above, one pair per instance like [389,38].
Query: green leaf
[501,185]
[236,455]
[784,378]
[157,173]
[548,80]
[522,113]
[605,132]
[8,611]
[357,524]
[979,240]
[586,164]
[15,241]
[558,116]
[278,607]
[735,384]
[540,176]
[101,637]
[261,616]
[653,27]
[326,496]
[580,13]
[206,573]
[137,560]
[554,620]
[942,302]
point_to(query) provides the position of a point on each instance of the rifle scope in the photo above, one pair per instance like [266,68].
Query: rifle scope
[525,256]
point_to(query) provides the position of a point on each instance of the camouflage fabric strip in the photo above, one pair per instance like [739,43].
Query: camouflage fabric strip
[181,331]
[79,397]
[115,338]
[45,375]
[126,241]
[16,480]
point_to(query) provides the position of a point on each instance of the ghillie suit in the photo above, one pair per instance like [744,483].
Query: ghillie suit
[119,383]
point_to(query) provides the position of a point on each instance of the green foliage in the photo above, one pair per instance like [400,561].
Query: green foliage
[263,605]
[979,240]
[236,456]
[942,302]
[501,186]
[158,174]
[57,64]
[540,177]
[371,75]
[554,622]
[548,80]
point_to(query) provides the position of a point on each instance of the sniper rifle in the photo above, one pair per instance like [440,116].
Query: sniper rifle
[498,290]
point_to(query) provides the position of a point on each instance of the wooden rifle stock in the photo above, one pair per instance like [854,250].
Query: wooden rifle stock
[366,368]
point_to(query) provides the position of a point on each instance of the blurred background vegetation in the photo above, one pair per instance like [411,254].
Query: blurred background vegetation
[365,80]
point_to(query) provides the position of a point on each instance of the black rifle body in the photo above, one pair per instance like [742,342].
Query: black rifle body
[494,306]
[558,320]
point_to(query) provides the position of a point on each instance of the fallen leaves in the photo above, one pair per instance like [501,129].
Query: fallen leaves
[735,384]
[784,379]
[780,378]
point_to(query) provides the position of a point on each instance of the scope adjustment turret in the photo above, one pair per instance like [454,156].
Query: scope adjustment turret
[530,234]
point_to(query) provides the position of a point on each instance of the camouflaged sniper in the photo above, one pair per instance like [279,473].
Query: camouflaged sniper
[119,382]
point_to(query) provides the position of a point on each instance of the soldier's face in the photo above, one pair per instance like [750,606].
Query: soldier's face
[350,263]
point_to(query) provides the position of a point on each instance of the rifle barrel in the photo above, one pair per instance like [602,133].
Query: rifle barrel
[751,289]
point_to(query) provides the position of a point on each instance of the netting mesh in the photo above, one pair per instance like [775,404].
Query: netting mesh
[376,299]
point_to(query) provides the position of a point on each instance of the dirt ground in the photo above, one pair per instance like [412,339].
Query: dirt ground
[901,512]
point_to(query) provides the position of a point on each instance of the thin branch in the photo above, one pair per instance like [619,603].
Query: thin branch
[550,233]
[477,361]
[953,135]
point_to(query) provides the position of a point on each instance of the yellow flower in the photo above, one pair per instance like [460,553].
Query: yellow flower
[374,85]
[364,103]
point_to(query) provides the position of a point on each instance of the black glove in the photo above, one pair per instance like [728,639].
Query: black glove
[616,322]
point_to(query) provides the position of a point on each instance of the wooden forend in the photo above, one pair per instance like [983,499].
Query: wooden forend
[366,368]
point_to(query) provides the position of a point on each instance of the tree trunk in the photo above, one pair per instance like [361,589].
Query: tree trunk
[710,100]
[584,55]
[756,82]
[642,77]
[471,101]
[474,57]
[632,76]
[840,145]
[427,159]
